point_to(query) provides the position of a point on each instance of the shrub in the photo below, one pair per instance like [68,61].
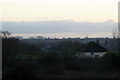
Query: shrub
[109,57]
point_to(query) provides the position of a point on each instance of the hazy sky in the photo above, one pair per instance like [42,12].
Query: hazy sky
[73,10]
[96,18]
[62,28]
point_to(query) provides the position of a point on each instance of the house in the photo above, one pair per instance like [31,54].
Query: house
[92,50]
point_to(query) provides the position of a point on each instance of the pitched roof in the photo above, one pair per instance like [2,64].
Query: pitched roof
[94,47]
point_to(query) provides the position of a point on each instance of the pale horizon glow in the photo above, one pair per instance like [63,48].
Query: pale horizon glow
[67,35]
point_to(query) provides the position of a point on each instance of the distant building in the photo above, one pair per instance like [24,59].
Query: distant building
[86,37]
[39,37]
[113,35]
[92,50]
[31,37]
[19,37]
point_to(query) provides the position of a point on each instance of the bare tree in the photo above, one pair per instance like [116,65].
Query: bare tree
[5,34]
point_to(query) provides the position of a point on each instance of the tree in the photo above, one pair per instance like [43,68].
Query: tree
[5,34]
[106,43]
[97,41]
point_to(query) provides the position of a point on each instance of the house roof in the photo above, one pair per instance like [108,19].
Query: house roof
[94,47]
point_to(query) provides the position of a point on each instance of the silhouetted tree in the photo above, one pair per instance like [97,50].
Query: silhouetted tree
[106,43]
[97,41]
[5,34]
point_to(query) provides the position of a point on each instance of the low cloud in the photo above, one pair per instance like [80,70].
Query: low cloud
[60,27]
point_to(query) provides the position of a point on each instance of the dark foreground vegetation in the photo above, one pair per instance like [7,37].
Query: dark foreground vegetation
[25,61]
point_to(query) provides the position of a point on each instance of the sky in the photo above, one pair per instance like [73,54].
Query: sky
[81,11]
[76,10]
